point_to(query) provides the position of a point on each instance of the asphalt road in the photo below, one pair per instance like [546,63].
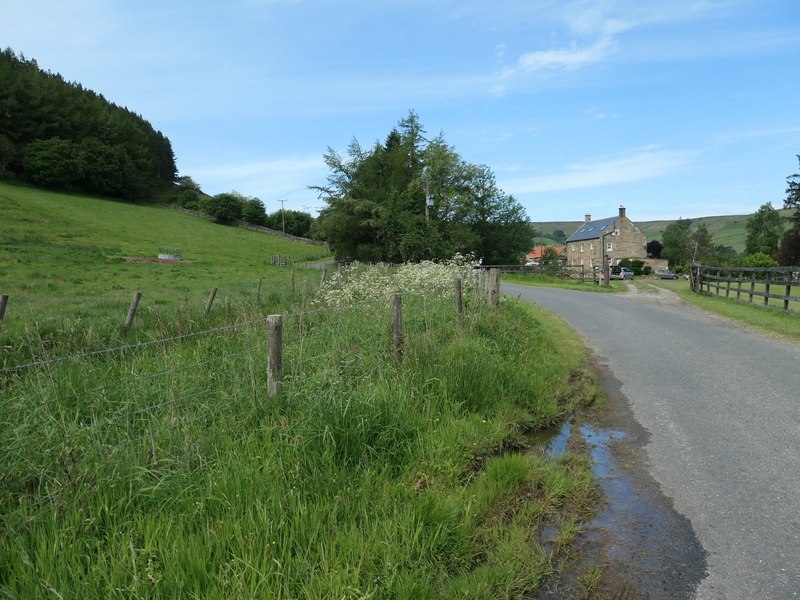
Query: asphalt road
[722,406]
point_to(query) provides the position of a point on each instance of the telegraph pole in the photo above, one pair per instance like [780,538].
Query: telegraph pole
[283,216]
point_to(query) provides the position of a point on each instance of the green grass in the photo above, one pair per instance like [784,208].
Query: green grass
[569,284]
[168,472]
[165,470]
[63,264]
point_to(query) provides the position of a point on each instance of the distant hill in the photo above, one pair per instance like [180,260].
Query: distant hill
[728,230]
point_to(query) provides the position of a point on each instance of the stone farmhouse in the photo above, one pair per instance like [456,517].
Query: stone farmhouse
[605,240]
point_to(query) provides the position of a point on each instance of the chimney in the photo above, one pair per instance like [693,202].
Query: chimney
[621,211]
[587,218]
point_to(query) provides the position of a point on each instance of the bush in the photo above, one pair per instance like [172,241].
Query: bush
[634,264]
[224,208]
[758,259]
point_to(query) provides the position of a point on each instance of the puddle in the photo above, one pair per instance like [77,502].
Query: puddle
[644,548]
[553,441]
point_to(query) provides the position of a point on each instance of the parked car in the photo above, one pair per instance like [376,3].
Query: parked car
[618,272]
[666,274]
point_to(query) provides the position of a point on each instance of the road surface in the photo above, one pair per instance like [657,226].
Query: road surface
[722,407]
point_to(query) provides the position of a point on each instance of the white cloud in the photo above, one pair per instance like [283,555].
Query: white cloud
[570,58]
[644,163]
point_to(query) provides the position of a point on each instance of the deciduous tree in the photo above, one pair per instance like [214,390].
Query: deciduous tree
[764,231]
[410,199]
[676,243]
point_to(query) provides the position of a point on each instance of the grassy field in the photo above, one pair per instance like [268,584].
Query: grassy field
[72,262]
[161,468]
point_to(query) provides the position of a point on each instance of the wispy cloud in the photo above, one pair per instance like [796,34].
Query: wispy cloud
[573,57]
[641,164]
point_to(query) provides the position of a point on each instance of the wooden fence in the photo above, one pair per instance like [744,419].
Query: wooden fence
[779,284]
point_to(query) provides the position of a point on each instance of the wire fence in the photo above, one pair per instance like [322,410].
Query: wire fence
[85,406]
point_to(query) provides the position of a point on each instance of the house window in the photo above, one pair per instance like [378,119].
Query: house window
[616,233]
[591,246]
[610,247]
[581,247]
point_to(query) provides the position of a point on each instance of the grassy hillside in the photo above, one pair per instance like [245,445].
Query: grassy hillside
[728,230]
[65,255]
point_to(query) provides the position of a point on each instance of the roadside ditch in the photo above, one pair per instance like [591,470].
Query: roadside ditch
[637,546]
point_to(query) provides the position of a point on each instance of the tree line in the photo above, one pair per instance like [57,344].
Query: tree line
[770,240]
[56,134]
[410,199]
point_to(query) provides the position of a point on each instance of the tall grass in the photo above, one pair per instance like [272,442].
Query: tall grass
[166,471]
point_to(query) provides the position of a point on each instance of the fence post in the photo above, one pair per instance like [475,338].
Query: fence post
[789,275]
[3,304]
[494,287]
[210,302]
[459,302]
[398,334]
[132,310]
[766,288]
[275,358]
[322,278]
[258,291]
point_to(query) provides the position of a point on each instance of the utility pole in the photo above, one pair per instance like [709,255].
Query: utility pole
[283,216]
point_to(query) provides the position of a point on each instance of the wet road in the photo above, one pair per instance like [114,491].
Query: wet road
[722,406]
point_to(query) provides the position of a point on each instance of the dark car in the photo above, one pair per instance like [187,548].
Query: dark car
[618,272]
[666,274]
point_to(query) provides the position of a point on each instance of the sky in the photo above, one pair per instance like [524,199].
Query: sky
[683,108]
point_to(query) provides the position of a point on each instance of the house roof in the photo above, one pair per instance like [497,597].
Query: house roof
[592,230]
[538,252]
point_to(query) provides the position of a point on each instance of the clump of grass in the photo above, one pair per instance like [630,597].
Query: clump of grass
[170,472]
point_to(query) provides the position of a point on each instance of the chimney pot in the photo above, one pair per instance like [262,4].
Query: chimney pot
[588,218]
[621,211]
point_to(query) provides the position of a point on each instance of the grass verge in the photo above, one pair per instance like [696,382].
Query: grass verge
[167,471]
[570,284]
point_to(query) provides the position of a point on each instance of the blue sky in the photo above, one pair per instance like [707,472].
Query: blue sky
[682,108]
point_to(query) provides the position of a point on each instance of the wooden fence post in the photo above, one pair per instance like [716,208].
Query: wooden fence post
[258,291]
[132,310]
[789,275]
[494,287]
[398,334]
[275,358]
[3,304]
[459,302]
[210,302]
[322,279]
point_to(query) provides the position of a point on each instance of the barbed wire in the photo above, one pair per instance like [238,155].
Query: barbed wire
[125,347]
